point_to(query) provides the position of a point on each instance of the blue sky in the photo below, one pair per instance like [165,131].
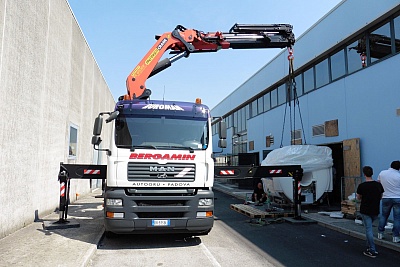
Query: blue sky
[120,33]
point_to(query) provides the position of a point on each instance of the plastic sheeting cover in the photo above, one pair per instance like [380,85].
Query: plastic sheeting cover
[310,157]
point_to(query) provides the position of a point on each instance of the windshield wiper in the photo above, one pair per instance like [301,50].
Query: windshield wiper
[191,149]
[145,146]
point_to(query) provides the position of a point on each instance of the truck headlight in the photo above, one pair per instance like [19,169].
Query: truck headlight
[205,201]
[114,202]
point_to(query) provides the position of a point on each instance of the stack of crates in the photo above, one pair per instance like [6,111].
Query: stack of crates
[349,208]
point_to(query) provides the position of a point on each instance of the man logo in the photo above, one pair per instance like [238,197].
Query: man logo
[161,169]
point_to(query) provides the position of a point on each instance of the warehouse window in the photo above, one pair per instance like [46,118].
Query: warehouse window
[380,43]
[240,119]
[267,101]
[396,23]
[245,116]
[290,91]
[228,121]
[353,55]
[246,111]
[260,105]
[253,109]
[234,121]
[281,94]
[299,84]
[308,80]
[73,141]
[274,98]
[338,65]
[322,73]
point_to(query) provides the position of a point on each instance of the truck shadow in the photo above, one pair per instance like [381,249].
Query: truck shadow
[147,241]
[84,222]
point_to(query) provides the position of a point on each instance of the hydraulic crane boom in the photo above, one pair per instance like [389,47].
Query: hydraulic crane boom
[182,42]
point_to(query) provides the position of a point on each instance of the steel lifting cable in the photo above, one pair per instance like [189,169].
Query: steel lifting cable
[295,98]
[298,105]
[290,59]
[292,84]
[284,122]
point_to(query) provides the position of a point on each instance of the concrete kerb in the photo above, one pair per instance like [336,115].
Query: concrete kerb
[93,246]
[92,250]
[356,234]
[90,226]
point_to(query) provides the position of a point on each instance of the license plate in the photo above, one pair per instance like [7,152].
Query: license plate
[160,222]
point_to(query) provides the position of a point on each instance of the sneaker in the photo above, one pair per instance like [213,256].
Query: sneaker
[396,239]
[370,254]
[380,235]
[376,252]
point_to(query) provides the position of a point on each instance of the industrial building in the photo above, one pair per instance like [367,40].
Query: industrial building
[344,94]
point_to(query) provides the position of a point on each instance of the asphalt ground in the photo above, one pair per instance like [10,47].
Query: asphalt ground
[303,244]
[237,240]
[344,225]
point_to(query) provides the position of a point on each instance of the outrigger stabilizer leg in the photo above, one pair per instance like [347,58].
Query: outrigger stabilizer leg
[62,223]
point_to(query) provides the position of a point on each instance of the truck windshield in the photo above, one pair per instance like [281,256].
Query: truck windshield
[161,132]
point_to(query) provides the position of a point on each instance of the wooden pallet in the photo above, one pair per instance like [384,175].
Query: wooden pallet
[349,208]
[253,212]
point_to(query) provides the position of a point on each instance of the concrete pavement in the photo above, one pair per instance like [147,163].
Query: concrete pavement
[35,246]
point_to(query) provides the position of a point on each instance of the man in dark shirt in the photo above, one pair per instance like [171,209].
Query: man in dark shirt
[259,196]
[370,194]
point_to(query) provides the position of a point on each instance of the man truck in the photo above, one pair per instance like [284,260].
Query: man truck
[160,167]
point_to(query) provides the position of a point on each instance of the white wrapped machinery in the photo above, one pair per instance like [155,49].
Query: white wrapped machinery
[316,162]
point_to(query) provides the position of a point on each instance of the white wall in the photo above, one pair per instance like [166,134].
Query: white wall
[48,80]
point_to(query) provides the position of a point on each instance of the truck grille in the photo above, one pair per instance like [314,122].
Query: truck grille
[139,171]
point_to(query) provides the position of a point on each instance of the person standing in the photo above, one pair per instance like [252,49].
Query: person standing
[390,180]
[370,194]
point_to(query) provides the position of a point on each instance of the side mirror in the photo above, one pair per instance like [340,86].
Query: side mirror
[222,129]
[96,140]
[222,143]
[98,124]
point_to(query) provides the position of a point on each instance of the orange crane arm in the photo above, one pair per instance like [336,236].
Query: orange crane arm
[182,42]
